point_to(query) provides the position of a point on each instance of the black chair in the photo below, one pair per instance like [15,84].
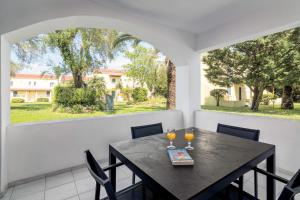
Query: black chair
[245,133]
[289,191]
[134,192]
[143,131]
[146,130]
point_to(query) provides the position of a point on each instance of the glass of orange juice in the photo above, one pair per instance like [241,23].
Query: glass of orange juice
[171,135]
[189,136]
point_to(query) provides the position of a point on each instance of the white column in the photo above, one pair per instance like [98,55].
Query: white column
[4,107]
[188,82]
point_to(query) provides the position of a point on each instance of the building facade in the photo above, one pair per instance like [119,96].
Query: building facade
[32,87]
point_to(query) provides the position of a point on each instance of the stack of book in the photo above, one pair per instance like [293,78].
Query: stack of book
[180,157]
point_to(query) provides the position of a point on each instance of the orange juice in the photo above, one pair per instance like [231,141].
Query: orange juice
[171,135]
[189,136]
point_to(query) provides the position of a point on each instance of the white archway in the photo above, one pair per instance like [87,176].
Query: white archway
[177,45]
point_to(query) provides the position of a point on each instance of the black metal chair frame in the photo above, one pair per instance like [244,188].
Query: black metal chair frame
[112,195]
[255,137]
[134,135]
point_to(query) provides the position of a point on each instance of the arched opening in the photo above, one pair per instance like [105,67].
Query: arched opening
[88,72]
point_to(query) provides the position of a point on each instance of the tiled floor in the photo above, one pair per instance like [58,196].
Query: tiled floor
[78,185]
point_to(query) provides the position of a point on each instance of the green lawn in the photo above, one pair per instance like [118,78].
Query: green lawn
[263,111]
[34,112]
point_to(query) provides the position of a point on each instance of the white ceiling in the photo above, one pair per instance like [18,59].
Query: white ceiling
[202,18]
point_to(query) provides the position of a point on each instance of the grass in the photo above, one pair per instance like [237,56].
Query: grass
[36,112]
[264,110]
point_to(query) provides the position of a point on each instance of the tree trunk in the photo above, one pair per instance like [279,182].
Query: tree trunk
[171,80]
[78,80]
[287,98]
[218,101]
[257,96]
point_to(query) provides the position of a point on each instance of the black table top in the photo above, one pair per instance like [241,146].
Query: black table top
[215,157]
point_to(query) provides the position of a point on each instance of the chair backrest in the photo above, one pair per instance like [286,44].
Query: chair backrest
[245,133]
[147,130]
[98,174]
[292,188]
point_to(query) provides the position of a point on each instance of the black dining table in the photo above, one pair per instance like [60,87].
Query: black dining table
[219,160]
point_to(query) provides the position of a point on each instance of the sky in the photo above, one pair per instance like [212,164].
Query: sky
[44,63]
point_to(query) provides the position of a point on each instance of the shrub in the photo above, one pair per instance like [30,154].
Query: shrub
[126,94]
[17,100]
[218,94]
[42,99]
[139,94]
[77,109]
[266,98]
[69,96]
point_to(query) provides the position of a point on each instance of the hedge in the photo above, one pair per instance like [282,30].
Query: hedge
[17,100]
[42,99]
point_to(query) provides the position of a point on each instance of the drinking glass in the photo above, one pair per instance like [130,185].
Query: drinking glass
[171,135]
[189,136]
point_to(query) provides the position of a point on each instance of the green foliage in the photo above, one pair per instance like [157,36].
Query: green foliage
[139,94]
[70,96]
[218,94]
[98,84]
[42,99]
[146,68]
[266,98]
[127,94]
[261,63]
[17,100]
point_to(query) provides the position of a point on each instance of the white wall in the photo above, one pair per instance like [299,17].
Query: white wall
[39,148]
[281,132]
[4,108]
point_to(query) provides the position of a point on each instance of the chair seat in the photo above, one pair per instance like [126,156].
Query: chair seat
[134,192]
[232,193]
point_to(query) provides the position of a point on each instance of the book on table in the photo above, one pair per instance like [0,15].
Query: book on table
[180,157]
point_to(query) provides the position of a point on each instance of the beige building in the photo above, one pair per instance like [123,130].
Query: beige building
[30,87]
[237,95]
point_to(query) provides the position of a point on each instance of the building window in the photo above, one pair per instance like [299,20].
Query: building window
[113,80]
[48,93]
[29,83]
[229,91]
[11,83]
[51,84]
[34,83]
[15,93]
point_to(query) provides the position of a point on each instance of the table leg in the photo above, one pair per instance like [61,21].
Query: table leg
[112,172]
[271,190]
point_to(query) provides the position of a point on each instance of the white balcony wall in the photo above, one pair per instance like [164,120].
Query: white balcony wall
[281,132]
[35,149]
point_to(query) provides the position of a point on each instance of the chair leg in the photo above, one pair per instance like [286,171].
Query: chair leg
[97,192]
[241,187]
[133,178]
[255,185]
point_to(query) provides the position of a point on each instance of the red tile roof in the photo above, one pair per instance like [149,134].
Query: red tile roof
[34,76]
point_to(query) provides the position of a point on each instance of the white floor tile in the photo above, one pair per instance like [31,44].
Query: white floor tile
[28,189]
[61,192]
[90,195]
[85,185]
[60,179]
[249,187]
[81,173]
[36,196]
[74,198]
[7,194]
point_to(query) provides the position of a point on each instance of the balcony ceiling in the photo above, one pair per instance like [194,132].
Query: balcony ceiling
[201,18]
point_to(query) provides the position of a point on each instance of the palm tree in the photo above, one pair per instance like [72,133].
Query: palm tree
[171,69]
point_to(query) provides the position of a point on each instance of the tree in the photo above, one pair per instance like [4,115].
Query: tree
[98,84]
[218,94]
[57,71]
[81,49]
[143,67]
[287,61]
[171,79]
[171,70]
[249,63]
